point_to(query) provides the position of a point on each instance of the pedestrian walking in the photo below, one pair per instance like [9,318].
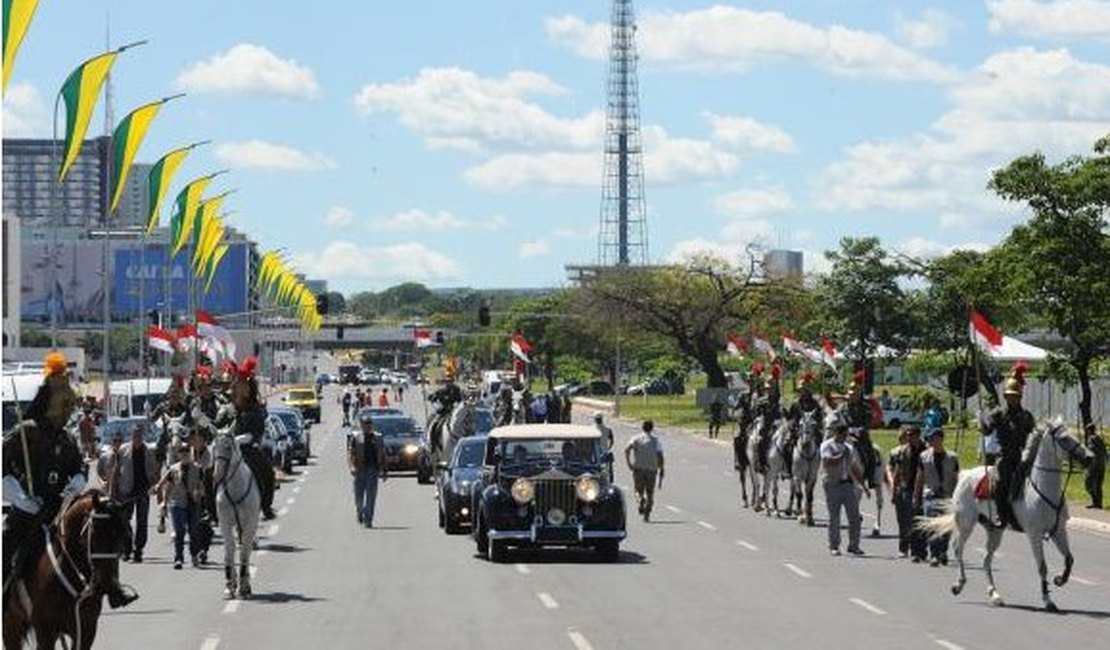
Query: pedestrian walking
[902,475]
[842,474]
[644,455]
[86,427]
[136,473]
[937,471]
[345,402]
[716,416]
[400,392]
[366,461]
[604,430]
[383,398]
[1097,469]
[181,489]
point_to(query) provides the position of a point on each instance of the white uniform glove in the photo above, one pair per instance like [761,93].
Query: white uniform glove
[18,498]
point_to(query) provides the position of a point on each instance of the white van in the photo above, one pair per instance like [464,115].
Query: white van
[19,389]
[134,397]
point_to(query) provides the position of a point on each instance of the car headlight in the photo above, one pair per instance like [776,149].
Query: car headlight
[411,449]
[523,491]
[460,487]
[587,488]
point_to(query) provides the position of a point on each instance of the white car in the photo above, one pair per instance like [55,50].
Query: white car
[895,415]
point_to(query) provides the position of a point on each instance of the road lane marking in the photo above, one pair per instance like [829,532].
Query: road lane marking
[231,607]
[290,501]
[263,552]
[297,490]
[674,509]
[273,530]
[947,645]
[797,570]
[547,600]
[1084,581]
[706,525]
[211,643]
[284,511]
[522,569]
[983,551]
[868,606]
[253,571]
[578,640]
[747,545]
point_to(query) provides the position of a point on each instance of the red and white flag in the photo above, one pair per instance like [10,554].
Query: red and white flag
[812,354]
[160,339]
[209,328]
[763,345]
[736,346]
[520,347]
[186,338]
[792,345]
[983,334]
[210,348]
[423,338]
[828,353]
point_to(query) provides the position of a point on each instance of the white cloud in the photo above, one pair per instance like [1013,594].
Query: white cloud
[534,248]
[406,261]
[726,39]
[457,109]
[338,216]
[754,203]
[747,134]
[1067,19]
[25,115]
[926,249]
[1017,102]
[256,154]
[736,236]
[248,69]
[419,220]
[931,29]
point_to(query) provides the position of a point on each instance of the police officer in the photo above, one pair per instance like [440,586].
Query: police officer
[250,427]
[42,468]
[856,412]
[1012,424]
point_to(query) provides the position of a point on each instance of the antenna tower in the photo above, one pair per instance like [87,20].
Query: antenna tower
[622,238]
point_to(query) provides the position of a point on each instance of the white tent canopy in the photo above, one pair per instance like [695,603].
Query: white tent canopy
[1014,350]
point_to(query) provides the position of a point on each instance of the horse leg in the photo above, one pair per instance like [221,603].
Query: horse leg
[878,494]
[245,547]
[744,486]
[1060,538]
[1037,543]
[811,483]
[959,541]
[994,540]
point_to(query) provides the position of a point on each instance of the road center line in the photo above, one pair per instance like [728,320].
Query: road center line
[290,501]
[284,511]
[522,569]
[706,525]
[297,490]
[211,643]
[1084,581]
[547,600]
[674,509]
[231,607]
[578,640]
[866,605]
[747,545]
[797,571]
[947,645]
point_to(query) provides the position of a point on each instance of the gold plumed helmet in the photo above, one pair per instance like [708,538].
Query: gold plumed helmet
[1015,385]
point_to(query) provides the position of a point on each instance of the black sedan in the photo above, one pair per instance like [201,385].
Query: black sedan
[456,482]
[406,448]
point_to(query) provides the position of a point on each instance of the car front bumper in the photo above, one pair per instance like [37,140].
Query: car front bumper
[556,535]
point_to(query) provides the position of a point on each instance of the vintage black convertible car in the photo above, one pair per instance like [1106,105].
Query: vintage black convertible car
[456,482]
[547,485]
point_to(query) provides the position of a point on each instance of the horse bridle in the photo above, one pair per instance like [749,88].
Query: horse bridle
[228,473]
[1070,450]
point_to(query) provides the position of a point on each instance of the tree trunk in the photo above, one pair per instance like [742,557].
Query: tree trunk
[707,358]
[1083,368]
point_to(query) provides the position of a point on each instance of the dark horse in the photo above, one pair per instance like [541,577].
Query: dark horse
[60,591]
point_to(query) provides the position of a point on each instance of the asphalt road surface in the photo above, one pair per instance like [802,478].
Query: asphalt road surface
[703,574]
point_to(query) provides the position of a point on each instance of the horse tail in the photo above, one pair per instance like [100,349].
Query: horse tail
[940,525]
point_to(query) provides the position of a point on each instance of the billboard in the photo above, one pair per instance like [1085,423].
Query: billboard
[64,278]
[137,272]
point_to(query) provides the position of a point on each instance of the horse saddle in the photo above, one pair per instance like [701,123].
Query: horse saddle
[984,489]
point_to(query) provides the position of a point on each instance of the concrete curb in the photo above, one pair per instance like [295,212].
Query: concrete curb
[1095,526]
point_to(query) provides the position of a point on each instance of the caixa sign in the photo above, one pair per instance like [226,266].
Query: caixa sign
[144,281]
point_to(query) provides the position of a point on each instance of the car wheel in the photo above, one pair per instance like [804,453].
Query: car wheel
[609,550]
[498,550]
[481,537]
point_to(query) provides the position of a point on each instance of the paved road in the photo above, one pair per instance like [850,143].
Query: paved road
[703,574]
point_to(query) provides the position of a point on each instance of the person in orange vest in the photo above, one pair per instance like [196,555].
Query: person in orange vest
[383,398]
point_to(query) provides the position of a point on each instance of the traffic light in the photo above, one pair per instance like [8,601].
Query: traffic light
[439,337]
[322,304]
[339,332]
[483,314]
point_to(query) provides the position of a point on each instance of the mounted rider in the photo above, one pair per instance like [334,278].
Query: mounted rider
[769,407]
[43,470]
[805,404]
[173,405]
[1012,425]
[250,427]
[204,403]
[856,413]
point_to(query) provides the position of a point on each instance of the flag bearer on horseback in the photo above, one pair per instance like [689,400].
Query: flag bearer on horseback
[769,406]
[856,413]
[806,403]
[43,468]
[250,427]
[1012,425]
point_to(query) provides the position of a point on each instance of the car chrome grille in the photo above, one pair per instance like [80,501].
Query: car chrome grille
[555,493]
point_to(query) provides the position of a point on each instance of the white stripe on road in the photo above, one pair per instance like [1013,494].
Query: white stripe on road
[866,605]
[297,490]
[263,552]
[547,600]
[674,509]
[797,571]
[231,607]
[747,545]
[253,571]
[523,569]
[211,643]
[273,530]
[284,511]
[578,640]
[1084,581]
[290,501]
[706,525]
[947,645]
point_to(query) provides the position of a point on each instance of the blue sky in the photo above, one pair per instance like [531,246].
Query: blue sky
[459,143]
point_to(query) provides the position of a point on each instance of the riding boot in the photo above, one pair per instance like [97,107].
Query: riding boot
[244,581]
[120,595]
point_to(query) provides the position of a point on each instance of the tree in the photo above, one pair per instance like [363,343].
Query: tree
[337,304]
[862,298]
[693,305]
[363,304]
[1059,261]
[34,337]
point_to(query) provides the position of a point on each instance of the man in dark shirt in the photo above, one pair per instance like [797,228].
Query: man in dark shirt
[1012,424]
[902,471]
[1097,469]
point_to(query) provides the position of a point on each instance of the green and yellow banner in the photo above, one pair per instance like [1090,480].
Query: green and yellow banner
[159,179]
[186,204]
[80,92]
[126,140]
[17,18]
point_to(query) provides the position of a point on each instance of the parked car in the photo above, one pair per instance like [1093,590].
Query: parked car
[304,399]
[597,387]
[547,485]
[348,373]
[367,376]
[895,415]
[406,448]
[275,442]
[298,437]
[455,483]
[658,386]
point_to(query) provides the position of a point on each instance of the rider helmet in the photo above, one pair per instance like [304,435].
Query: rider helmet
[1015,385]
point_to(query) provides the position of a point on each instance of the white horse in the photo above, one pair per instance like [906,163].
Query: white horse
[238,503]
[778,466]
[460,424]
[807,465]
[757,472]
[520,409]
[1042,511]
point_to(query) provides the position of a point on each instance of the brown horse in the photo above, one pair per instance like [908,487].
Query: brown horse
[59,592]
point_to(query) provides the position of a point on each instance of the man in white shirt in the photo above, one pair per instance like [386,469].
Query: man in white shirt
[644,455]
[842,473]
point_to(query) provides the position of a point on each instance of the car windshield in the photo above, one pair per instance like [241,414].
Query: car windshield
[123,428]
[584,450]
[396,427]
[470,453]
[483,420]
[301,395]
[290,420]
